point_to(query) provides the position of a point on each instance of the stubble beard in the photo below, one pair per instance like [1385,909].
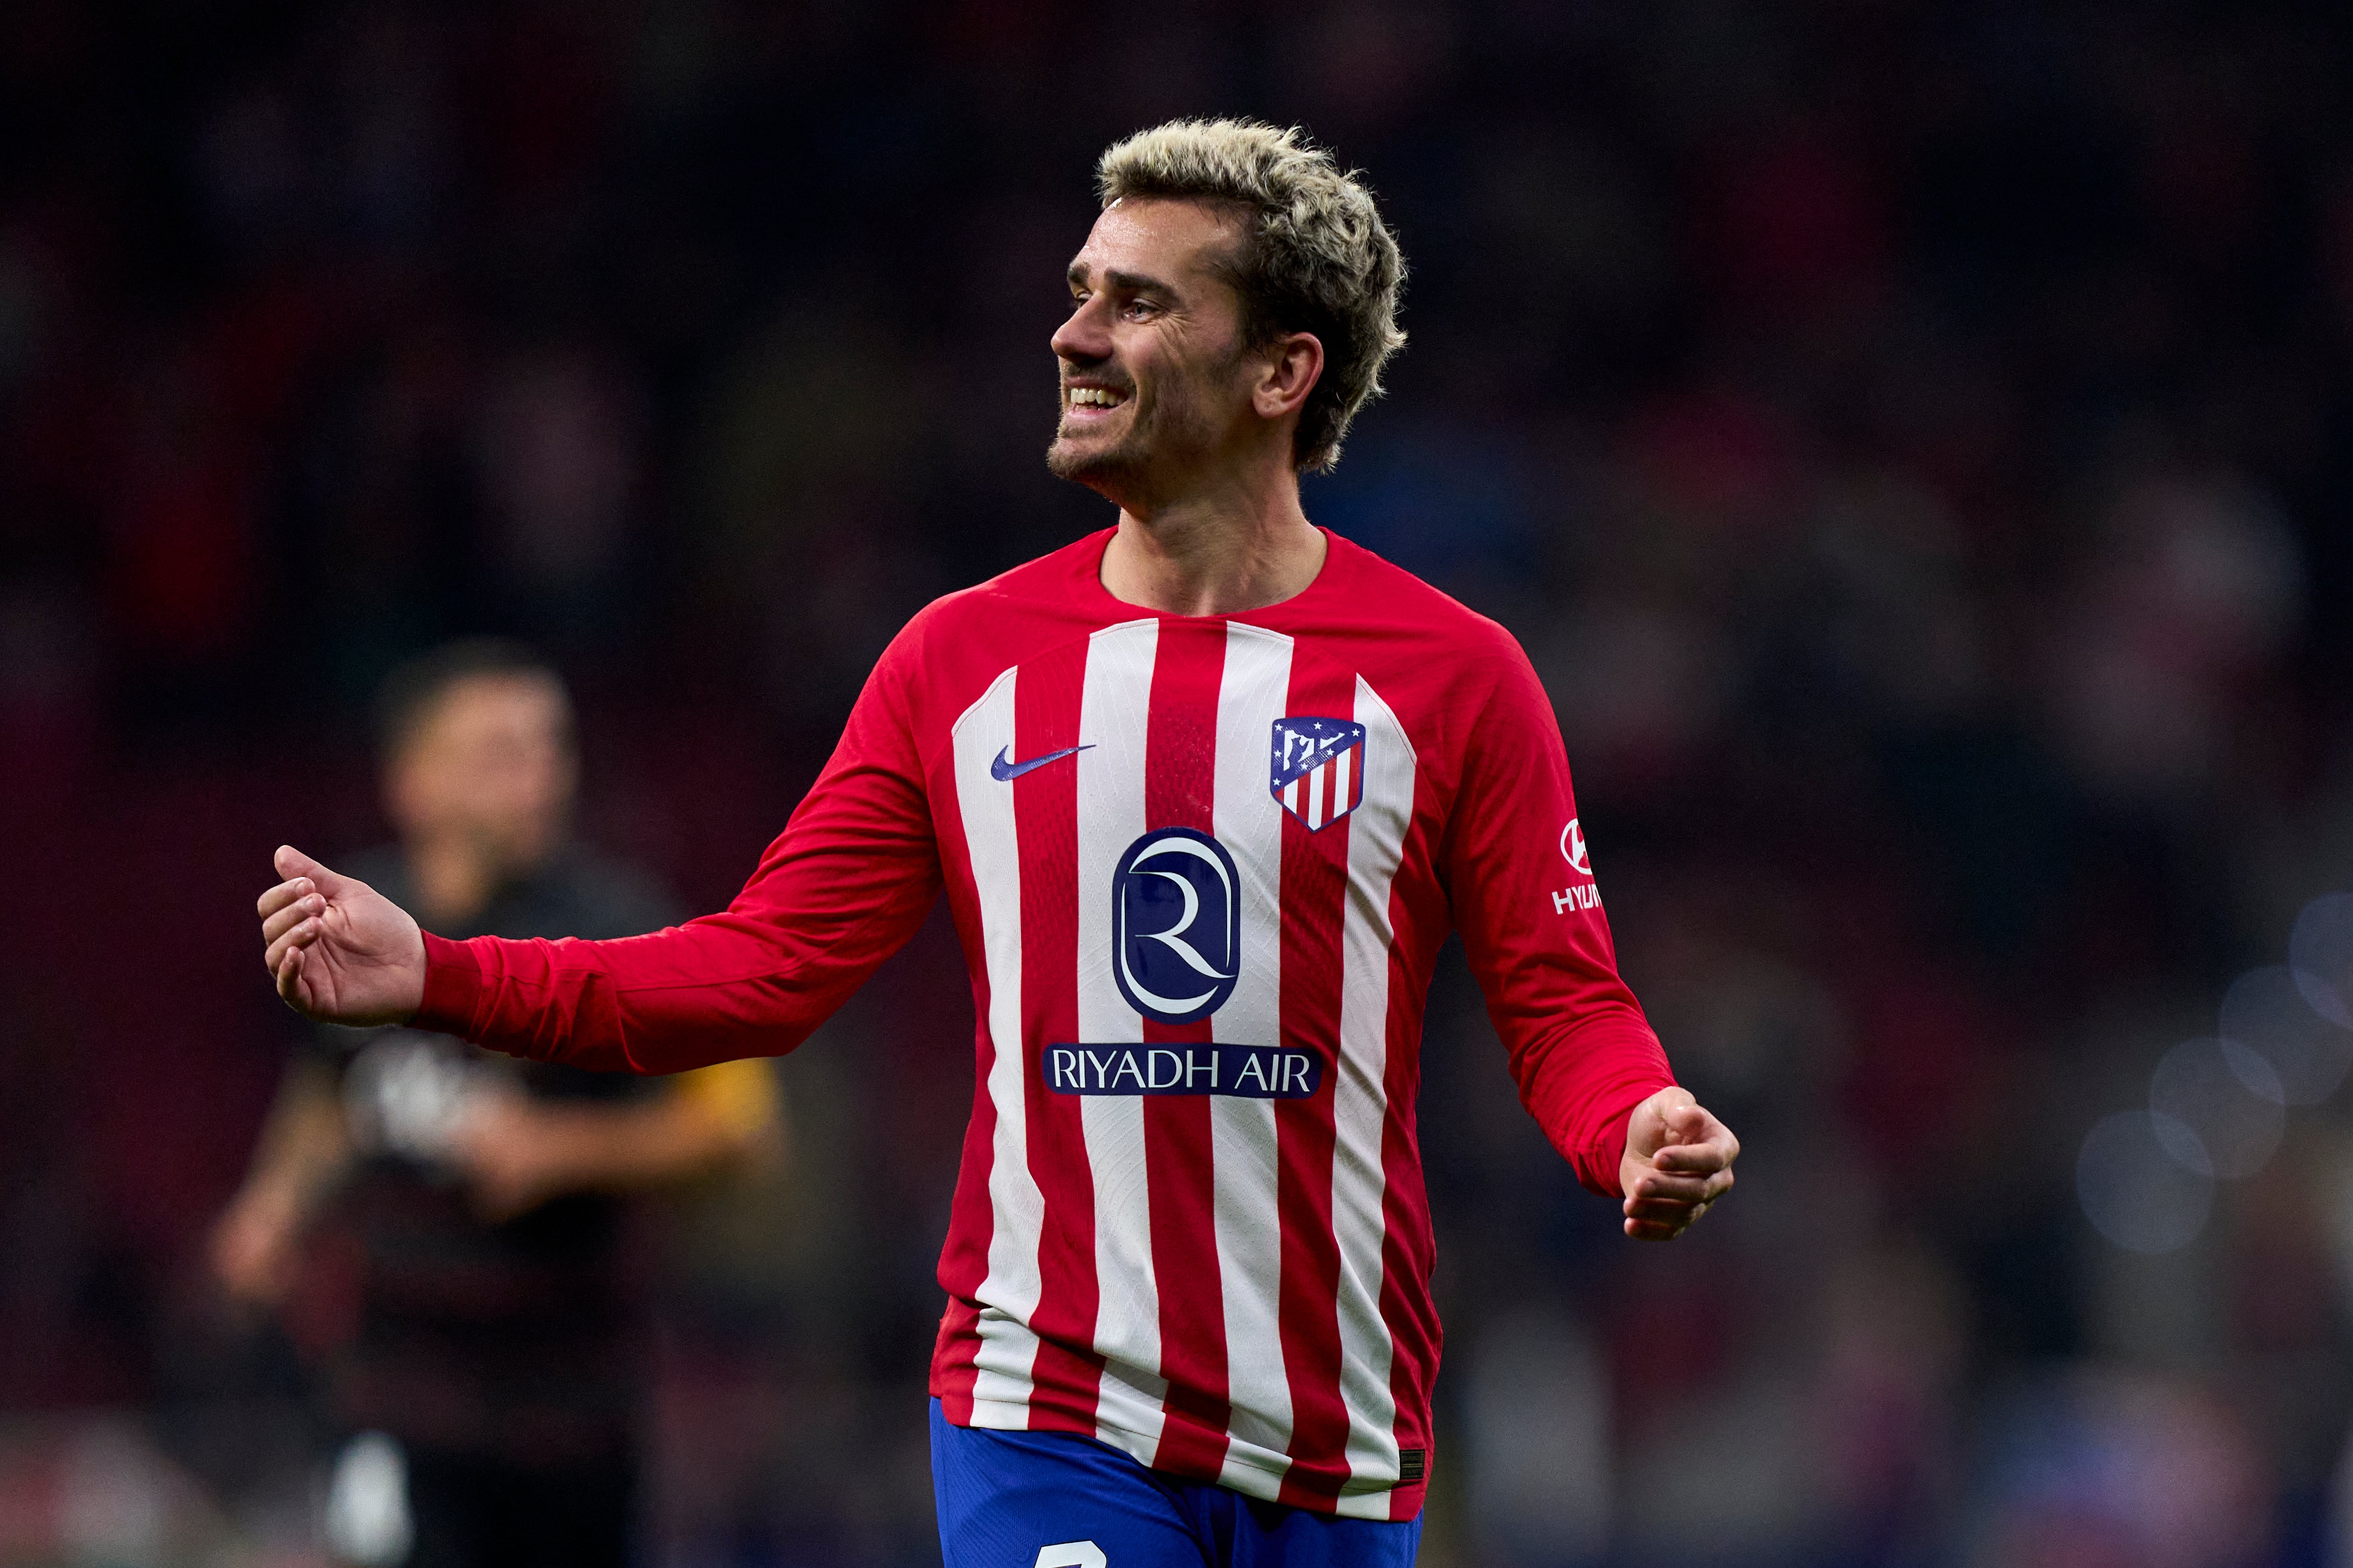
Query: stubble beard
[1095,469]
[1173,435]
[1106,469]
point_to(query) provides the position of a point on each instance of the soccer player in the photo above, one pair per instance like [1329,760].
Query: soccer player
[1205,790]
[490,1369]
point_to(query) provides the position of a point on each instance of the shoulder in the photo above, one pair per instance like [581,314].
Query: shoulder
[946,656]
[1049,586]
[1421,627]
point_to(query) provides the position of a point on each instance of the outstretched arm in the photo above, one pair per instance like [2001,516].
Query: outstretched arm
[841,889]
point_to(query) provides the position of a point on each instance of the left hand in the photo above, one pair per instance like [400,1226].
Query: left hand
[512,1155]
[1678,1162]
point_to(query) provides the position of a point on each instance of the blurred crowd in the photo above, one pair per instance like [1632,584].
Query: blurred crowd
[1914,443]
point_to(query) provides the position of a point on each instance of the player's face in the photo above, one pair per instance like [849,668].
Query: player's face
[1155,384]
[491,763]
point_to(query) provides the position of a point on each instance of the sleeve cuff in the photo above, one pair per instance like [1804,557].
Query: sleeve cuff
[453,985]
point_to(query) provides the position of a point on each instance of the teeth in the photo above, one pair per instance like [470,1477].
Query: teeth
[1095,398]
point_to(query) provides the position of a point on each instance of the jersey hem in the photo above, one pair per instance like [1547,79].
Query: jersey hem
[1403,1499]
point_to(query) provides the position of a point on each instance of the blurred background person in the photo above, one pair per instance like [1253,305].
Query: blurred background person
[492,1374]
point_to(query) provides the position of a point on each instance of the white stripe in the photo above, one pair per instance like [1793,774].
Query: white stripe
[1340,779]
[1252,696]
[1008,1296]
[1360,1106]
[1114,713]
[1315,777]
[1290,793]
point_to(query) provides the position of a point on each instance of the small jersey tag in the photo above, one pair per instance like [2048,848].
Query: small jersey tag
[1410,1464]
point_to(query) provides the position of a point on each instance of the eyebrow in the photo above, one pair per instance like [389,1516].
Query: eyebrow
[1133,282]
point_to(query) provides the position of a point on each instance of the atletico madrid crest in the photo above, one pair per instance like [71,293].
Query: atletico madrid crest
[1319,768]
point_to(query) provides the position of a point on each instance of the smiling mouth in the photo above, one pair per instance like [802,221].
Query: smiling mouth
[1091,399]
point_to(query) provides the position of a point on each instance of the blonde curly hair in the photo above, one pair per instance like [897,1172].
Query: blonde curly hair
[1316,256]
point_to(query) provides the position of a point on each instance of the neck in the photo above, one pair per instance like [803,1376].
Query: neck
[454,878]
[1215,554]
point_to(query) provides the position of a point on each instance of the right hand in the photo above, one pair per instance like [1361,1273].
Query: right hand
[341,951]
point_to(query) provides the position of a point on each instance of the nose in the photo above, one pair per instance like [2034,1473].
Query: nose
[1085,338]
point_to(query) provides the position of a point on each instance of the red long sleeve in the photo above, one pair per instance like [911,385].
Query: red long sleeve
[1524,901]
[839,890]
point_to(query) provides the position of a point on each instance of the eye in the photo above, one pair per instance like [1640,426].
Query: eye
[1137,309]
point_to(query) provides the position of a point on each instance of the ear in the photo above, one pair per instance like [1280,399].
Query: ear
[1292,364]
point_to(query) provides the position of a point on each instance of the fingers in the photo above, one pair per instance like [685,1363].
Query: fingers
[1646,1202]
[307,907]
[300,935]
[1697,1159]
[1661,1221]
[1681,1189]
[291,914]
[1698,1143]
[283,894]
[1647,1230]
[1660,1208]
[288,971]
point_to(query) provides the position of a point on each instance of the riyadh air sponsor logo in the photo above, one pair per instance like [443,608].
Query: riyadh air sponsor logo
[1175,905]
[1318,772]
[1005,771]
[1250,1072]
[1577,895]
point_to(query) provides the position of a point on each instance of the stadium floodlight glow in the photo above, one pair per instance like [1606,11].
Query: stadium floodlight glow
[2135,1187]
[2268,1011]
[2228,1097]
[2320,952]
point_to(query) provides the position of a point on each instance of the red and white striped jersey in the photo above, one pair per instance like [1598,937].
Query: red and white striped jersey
[1201,868]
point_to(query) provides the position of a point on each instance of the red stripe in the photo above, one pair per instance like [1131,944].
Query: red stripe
[1180,791]
[1418,914]
[1407,1253]
[964,1259]
[1315,888]
[1067,1375]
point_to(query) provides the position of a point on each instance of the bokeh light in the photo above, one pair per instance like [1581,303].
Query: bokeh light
[2266,1010]
[2321,953]
[2228,1097]
[2136,1187]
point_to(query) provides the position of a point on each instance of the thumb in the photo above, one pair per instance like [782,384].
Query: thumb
[1685,1124]
[1655,1123]
[292,863]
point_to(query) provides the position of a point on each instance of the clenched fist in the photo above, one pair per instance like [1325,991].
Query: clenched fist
[1678,1162]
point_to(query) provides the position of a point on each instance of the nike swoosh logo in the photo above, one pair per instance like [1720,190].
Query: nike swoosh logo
[1004,772]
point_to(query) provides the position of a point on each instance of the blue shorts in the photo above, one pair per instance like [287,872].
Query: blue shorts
[1054,1499]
